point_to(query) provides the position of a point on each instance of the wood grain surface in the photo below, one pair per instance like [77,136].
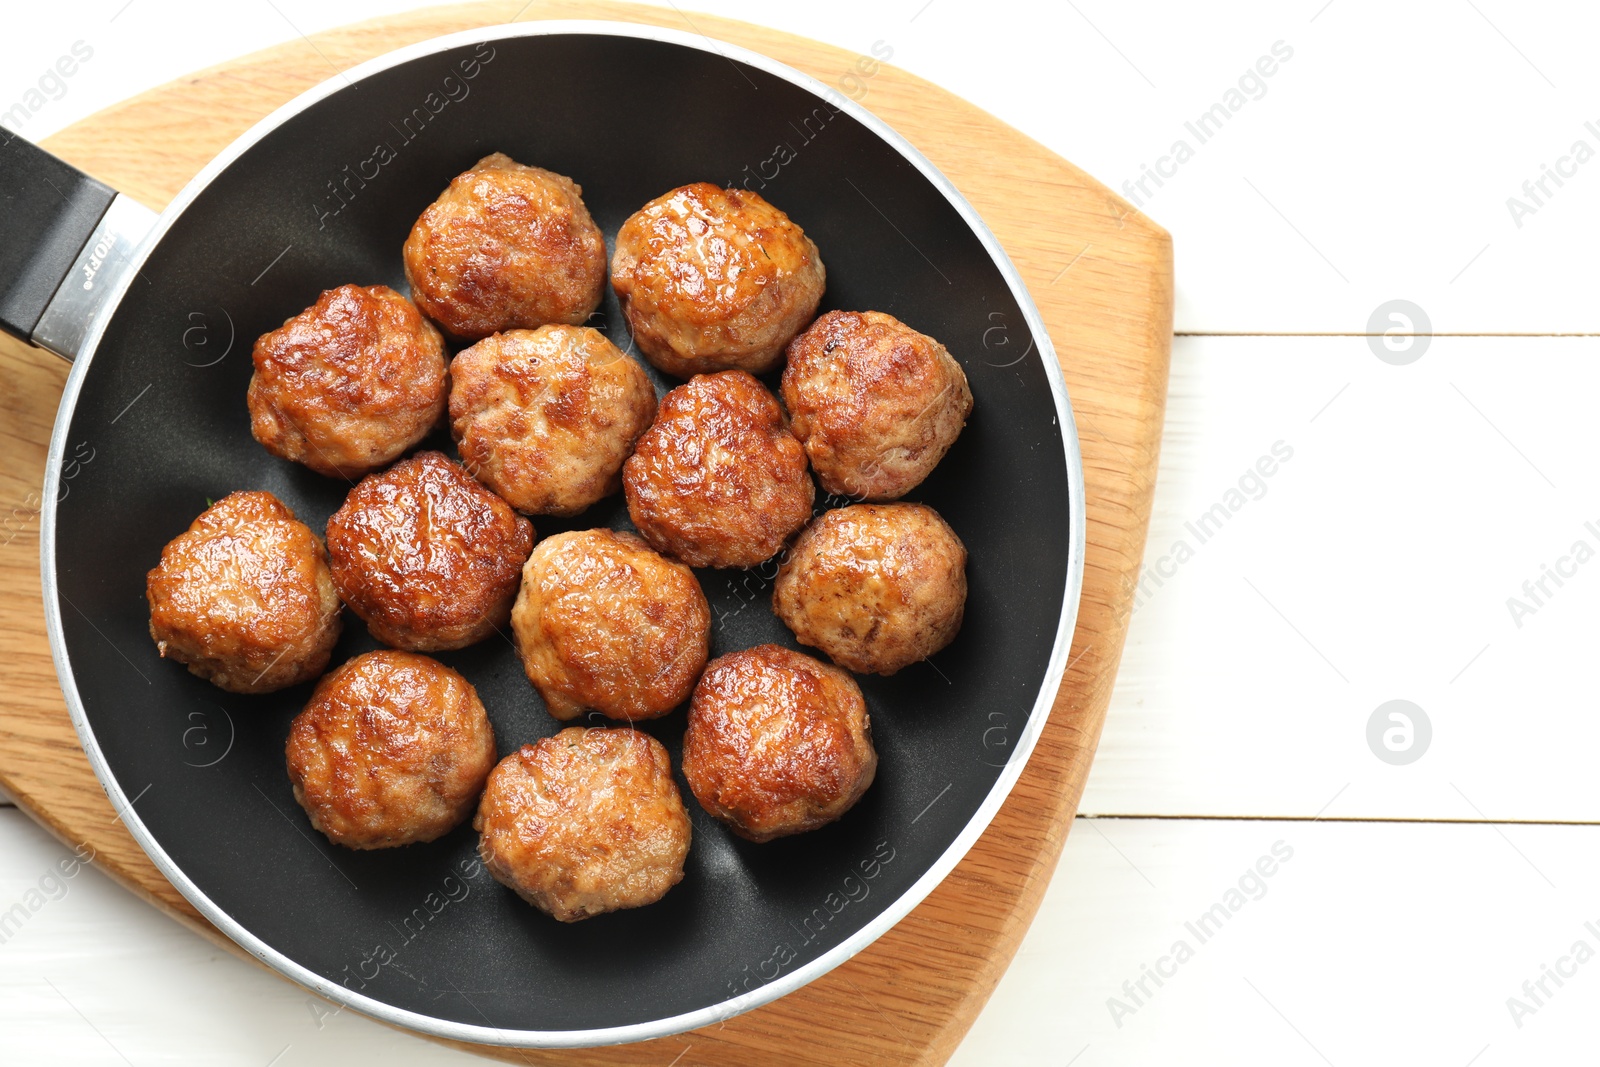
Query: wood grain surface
[1101,274]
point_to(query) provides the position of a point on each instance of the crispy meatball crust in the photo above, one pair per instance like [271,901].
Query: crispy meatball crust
[244,597]
[393,748]
[875,403]
[545,417]
[585,822]
[506,245]
[712,279]
[875,586]
[426,556]
[717,481]
[778,742]
[603,622]
[349,383]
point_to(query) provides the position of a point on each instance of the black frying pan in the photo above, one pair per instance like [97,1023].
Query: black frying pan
[153,424]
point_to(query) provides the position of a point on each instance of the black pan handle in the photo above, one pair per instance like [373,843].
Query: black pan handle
[63,236]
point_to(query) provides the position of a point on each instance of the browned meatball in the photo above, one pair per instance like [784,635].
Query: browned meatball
[712,279]
[545,417]
[349,383]
[427,556]
[506,245]
[393,748]
[875,586]
[585,822]
[244,597]
[778,743]
[717,481]
[603,622]
[875,403]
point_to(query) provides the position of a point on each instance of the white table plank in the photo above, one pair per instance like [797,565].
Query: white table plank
[1375,565]
[1370,167]
[1375,944]
[1360,921]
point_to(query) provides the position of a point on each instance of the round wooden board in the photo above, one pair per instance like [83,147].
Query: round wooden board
[1102,276]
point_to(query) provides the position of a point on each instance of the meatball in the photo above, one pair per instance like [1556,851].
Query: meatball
[349,383]
[545,417]
[875,403]
[426,556]
[244,597]
[393,748]
[778,743]
[875,586]
[603,622]
[506,245]
[585,822]
[712,279]
[717,481]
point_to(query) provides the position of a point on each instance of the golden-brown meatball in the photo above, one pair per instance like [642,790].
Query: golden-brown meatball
[712,279]
[426,556]
[393,748]
[585,822]
[875,403]
[545,417]
[603,622]
[244,597]
[778,743]
[506,245]
[349,383]
[875,586]
[717,481]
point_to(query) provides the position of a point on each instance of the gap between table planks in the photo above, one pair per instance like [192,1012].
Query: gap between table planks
[1101,274]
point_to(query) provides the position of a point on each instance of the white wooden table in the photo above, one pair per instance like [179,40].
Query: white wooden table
[1428,533]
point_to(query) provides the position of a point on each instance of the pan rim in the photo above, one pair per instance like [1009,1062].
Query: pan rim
[784,984]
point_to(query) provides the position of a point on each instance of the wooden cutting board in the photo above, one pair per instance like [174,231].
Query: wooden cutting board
[1102,276]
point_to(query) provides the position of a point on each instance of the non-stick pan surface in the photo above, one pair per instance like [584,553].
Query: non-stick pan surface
[323,194]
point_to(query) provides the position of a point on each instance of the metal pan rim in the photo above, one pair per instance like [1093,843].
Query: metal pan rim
[788,982]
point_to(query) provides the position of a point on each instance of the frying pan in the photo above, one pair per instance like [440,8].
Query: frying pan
[159,315]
